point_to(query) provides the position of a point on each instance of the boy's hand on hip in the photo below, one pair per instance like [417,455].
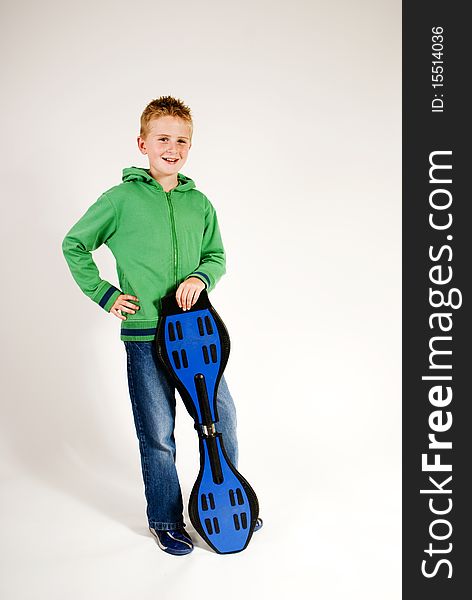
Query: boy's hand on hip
[188,292]
[122,303]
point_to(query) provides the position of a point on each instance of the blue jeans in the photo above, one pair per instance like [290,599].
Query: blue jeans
[152,394]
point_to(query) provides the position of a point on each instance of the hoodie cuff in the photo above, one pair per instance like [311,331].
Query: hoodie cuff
[202,276]
[107,298]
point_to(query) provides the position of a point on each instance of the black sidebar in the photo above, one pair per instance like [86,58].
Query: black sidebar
[437,332]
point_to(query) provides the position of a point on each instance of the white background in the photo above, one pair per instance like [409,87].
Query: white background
[296,142]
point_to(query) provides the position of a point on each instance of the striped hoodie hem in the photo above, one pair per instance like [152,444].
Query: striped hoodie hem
[139,331]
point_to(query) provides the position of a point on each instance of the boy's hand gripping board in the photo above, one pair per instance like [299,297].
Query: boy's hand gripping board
[194,346]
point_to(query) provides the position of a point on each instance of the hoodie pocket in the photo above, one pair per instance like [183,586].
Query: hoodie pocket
[126,289]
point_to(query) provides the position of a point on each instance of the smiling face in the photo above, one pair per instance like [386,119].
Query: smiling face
[167,144]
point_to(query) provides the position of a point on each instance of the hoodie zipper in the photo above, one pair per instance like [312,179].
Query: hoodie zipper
[174,235]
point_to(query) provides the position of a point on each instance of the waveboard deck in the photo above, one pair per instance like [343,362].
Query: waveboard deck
[193,346]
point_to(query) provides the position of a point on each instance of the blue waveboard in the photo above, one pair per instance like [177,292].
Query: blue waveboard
[194,346]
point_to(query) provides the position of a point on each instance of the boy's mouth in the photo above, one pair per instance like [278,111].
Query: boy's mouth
[170,160]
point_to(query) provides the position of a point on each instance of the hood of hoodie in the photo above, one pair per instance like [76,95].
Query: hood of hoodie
[142,174]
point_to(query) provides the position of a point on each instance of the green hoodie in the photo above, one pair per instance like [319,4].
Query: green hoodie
[158,239]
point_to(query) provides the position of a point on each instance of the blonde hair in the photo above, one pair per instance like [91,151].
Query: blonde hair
[161,107]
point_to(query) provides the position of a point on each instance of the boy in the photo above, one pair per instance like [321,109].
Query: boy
[165,237]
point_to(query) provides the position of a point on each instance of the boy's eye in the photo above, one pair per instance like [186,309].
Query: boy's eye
[163,139]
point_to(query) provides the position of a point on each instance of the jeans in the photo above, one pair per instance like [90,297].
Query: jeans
[152,394]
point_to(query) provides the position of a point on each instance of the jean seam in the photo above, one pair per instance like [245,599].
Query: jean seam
[161,526]
[140,427]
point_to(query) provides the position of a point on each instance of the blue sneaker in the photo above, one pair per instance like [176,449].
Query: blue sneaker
[258,524]
[174,541]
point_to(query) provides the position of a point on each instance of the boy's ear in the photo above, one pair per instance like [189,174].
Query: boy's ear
[140,142]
